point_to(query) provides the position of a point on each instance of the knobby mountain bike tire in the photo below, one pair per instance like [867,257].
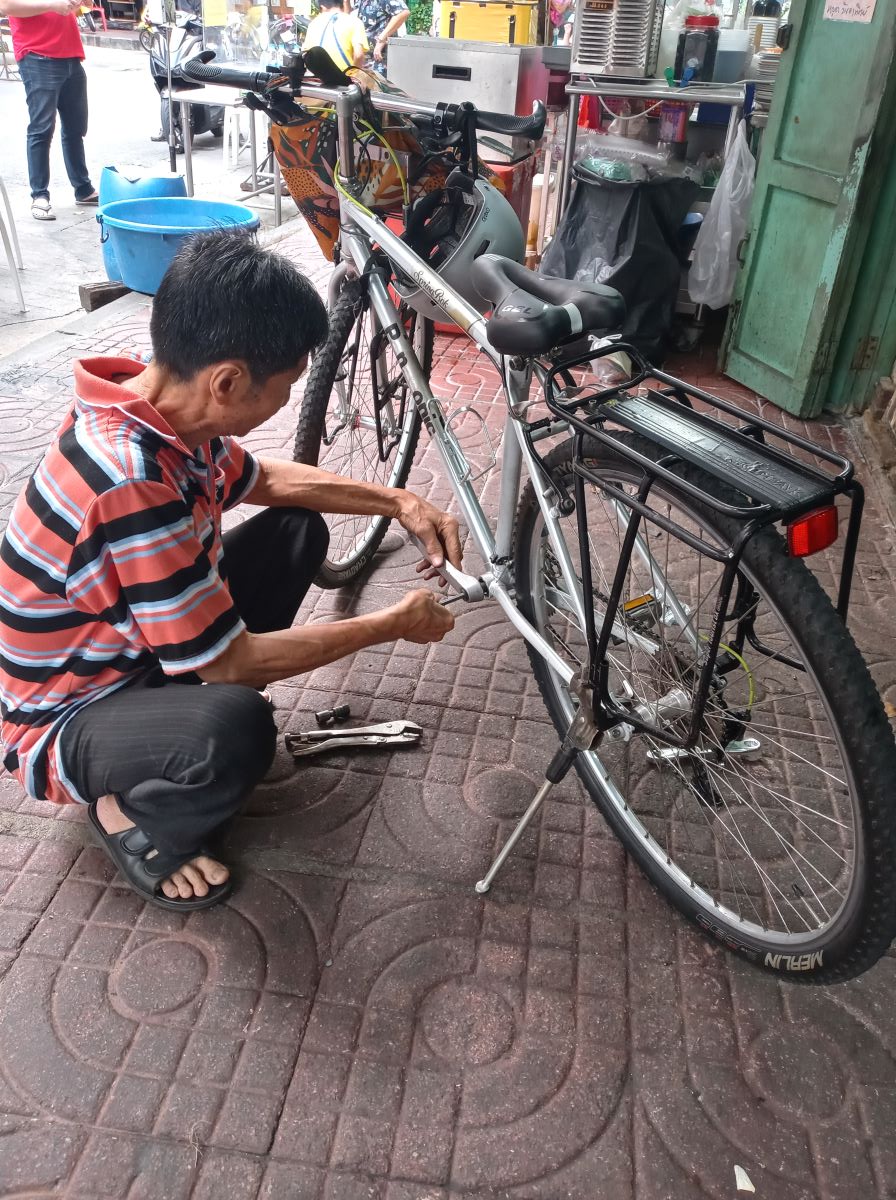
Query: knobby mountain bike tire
[355,366]
[783,853]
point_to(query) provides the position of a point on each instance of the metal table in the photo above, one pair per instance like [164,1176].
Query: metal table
[732,95]
[226,98]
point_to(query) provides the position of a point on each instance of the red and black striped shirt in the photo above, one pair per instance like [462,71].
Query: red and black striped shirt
[110,565]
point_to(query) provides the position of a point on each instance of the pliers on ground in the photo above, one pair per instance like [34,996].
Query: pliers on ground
[390,733]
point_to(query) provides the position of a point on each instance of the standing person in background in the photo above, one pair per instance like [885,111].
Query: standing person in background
[49,51]
[381,19]
[341,34]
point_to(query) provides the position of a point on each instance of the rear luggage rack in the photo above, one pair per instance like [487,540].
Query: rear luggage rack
[753,458]
[763,474]
[764,484]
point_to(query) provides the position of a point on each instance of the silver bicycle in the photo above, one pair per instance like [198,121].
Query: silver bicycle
[647,547]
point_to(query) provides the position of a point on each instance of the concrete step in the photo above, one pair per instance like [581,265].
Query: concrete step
[113,39]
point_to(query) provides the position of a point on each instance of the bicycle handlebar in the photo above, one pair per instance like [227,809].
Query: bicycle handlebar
[245,81]
[202,71]
[531,126]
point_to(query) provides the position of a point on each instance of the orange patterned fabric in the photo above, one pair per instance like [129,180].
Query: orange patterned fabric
[306,152]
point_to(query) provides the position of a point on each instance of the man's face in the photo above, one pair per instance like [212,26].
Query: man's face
[263,401]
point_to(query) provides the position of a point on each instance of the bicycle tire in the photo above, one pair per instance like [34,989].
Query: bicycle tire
[866,924]
[343,566]
[145,40]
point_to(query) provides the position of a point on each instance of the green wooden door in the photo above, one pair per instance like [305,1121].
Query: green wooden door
[867,345]
[815,193]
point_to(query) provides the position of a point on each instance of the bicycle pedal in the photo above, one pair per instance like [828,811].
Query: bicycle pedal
[643,612]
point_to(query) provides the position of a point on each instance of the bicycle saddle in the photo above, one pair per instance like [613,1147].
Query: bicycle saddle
[532,313]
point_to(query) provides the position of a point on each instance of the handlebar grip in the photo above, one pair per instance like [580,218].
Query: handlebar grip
[205,72]
[530,127]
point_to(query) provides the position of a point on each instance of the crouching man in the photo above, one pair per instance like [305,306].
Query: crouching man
[119,595]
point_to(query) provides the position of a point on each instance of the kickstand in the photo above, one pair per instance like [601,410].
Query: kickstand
[559,766]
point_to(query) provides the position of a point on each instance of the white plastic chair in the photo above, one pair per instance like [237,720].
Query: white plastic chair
[11,245]
[233,136]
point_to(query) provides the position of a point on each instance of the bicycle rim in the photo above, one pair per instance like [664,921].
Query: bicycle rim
[763,842]
[352,444]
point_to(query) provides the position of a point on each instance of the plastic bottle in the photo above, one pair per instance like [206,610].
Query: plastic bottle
[697,44]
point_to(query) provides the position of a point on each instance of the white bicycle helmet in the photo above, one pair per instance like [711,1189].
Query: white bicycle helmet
[449,229]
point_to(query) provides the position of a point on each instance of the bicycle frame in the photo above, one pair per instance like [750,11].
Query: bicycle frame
[494,545]
[360,230]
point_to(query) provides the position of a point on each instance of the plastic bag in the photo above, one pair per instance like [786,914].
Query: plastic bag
[626,235]
[714,265]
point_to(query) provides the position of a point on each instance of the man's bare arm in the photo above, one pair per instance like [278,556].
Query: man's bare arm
[36,8]
[393,27]
[287,483]
[256,659]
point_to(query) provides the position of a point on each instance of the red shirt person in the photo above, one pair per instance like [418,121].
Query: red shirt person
[49,51]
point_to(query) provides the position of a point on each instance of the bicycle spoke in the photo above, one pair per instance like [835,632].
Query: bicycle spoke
[365,384]
[739,827]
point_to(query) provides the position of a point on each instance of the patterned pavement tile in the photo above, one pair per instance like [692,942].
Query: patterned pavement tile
[459,1043]
[356,1022]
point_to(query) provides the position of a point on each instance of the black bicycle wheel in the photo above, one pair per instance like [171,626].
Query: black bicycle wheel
[359,420]
[777,832]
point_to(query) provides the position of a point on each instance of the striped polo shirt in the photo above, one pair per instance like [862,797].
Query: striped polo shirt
[110,565]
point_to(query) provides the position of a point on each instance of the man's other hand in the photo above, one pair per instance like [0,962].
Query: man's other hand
[438,531]
[64,7]
[420,618]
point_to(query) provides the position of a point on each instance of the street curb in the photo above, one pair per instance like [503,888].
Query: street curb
[50,344]
[104,41]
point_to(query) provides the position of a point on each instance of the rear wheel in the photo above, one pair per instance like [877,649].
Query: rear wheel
[359,420]
[776,832]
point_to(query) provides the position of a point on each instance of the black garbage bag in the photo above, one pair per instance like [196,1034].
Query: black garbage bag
[626,235]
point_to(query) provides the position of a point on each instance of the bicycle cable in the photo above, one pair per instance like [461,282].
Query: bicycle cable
[380,138]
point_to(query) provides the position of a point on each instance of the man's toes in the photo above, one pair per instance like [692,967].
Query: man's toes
[196,879]
[214,872]
[182,884]
[169,889]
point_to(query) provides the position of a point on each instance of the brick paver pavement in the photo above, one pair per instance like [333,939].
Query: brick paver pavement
[355,1022]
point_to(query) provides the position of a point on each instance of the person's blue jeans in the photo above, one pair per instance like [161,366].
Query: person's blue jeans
[56,85]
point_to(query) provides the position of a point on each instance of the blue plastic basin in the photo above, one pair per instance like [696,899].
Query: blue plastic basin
[114,186]
[146,234]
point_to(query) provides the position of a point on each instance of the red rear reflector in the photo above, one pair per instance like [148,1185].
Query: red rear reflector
[813,532]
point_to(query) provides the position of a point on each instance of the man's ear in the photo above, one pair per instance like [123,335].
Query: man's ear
[228,383]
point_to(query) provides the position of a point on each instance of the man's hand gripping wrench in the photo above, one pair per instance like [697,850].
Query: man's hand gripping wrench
[467,587]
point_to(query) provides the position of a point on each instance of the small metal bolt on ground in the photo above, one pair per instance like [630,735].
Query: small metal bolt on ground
[330,716]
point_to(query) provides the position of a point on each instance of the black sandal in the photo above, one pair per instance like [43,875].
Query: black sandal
[129,850]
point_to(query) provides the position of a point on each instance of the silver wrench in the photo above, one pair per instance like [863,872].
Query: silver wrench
[389,733]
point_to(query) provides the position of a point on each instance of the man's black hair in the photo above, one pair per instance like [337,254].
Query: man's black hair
[330,3]
[224,297]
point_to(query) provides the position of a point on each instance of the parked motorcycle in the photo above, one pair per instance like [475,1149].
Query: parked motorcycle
[186,43]
[286,35]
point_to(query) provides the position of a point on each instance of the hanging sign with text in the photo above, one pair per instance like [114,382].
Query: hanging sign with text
[849,10]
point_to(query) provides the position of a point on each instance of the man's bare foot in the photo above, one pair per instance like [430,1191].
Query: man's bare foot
[192,879]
